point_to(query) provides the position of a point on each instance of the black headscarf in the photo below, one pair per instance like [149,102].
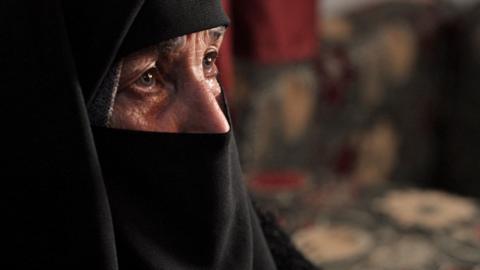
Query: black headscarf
[83,197]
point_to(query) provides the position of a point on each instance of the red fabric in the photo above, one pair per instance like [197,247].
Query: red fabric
[225,59]
[277,181]
[275,31]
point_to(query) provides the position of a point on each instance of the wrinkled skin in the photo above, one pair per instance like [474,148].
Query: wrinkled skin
[172,90]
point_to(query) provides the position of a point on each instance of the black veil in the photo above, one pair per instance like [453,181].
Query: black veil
[83,197]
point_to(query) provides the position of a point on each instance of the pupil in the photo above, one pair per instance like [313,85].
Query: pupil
[147,78]
[208,60]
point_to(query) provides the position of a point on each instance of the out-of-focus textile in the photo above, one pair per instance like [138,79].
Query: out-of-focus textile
[459,127]
[272,32]
[225,59]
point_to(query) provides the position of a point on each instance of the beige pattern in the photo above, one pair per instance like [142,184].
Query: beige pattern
[428,209]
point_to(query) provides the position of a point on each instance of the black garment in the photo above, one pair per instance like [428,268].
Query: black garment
[178,201]
[83,198]
[284,253]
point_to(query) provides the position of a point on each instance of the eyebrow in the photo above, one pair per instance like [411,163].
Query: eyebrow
[216,33]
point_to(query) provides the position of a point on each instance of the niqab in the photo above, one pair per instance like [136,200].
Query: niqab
[83,197]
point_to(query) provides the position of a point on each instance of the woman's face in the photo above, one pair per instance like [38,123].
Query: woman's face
[172,87]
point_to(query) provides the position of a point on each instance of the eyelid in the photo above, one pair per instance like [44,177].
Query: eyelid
[216,34]
[212,48]
[210,52]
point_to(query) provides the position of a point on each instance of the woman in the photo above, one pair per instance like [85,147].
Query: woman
[124,157]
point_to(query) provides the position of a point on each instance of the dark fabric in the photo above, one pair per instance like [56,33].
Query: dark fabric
[178,201]
[284,253]
[162,20]
[96,30]
[101,108]
[458,126]
[56,210]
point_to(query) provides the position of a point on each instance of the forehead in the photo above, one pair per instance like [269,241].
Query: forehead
[166,50]
[212,36]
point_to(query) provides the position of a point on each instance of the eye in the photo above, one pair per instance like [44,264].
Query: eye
[209,60]
[209,67]
[147,79]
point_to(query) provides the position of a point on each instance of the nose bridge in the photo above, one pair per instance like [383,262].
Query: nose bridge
[204,114]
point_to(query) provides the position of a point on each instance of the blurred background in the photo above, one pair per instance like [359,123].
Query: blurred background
[358,126]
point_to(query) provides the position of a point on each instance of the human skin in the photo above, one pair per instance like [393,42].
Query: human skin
[172,88]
